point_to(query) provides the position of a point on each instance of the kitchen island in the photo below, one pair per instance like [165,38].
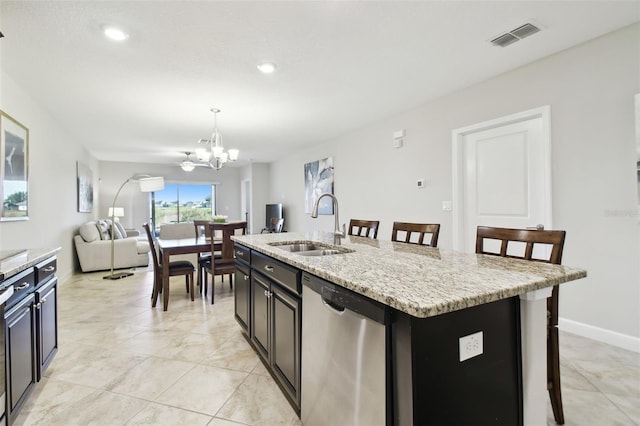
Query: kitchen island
[429,290]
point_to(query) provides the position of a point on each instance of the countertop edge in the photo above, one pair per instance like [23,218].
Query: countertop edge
[24,259]
[409,304]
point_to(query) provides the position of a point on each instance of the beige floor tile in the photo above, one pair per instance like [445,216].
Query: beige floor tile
[628,404]
[589,408]
[259,401]
[49,398]
[234,354]
[150,378]
[97,409]
[92,366]
[608,377]
[203,389]
[163,415]
[222,422]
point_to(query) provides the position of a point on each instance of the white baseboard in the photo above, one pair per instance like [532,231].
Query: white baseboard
[600,334]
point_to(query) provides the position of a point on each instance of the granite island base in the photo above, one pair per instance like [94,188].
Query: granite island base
[435,297]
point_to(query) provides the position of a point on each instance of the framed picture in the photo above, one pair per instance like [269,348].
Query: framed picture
[85,188]
[318,179]
[14,169]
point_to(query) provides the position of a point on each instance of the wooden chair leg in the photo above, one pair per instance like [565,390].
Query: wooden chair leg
[553,374]
[190,279]
[230,280]
[213,287]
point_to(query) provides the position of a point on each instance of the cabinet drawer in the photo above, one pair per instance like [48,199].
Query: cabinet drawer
[45,270]
[280,272]
[23,284]
[242,253]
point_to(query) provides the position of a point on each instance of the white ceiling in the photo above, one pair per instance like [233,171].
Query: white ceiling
[341,65]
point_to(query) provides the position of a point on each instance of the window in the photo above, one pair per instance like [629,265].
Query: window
[183,203]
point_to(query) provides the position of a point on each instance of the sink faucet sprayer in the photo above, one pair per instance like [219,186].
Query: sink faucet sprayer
[337,233]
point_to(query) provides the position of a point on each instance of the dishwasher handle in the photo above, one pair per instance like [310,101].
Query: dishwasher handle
[333,307]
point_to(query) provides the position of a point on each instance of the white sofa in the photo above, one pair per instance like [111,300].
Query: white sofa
[93,245]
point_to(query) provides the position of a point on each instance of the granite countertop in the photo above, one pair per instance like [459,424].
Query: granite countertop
[420,281]
[14,261]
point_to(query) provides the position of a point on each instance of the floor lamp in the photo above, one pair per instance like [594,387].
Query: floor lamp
[147,184]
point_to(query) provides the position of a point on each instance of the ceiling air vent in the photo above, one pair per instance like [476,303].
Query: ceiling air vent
[514,35]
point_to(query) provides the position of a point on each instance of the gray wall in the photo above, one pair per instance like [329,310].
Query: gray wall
[590,89]
[136,203]
[53,153]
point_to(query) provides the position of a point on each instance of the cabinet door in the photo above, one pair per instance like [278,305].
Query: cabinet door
[47,324]
[260,314]
[242,297]
[20,352]
[285,349]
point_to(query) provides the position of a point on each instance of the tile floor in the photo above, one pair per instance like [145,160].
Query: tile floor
[123,363]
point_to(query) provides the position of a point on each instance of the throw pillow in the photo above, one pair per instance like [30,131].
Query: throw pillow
[120,228]
[103,229]
[89,232]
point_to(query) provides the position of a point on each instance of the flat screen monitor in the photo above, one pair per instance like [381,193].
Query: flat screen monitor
[273,210]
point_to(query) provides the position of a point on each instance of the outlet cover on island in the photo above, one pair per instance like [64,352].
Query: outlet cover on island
[471,346]
[447,206]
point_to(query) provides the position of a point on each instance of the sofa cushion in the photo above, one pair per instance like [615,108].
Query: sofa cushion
[89,232]
[143,247]
[116,231]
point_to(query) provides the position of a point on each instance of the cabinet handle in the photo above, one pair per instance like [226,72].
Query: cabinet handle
[268,268]
[239,253]
[49,269]
[37,305]
[22,287]
[266,293]
[43,301]
[246,277]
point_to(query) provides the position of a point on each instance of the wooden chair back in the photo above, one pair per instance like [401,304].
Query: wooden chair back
[202,228]
[227,230]
[509,238]
[364,228]
[152,246]
[422,229]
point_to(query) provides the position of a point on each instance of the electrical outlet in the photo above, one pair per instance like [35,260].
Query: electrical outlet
[421,183]
[471,346]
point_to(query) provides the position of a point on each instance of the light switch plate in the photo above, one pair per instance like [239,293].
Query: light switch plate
[471,346]
[447,206]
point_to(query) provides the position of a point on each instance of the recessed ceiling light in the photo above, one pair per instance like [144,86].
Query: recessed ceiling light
[267,67]
[115,34]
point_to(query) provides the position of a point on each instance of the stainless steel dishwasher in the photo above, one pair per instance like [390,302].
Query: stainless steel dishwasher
[343,356]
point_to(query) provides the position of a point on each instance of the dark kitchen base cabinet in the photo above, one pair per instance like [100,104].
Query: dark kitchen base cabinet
[20,342]
[431,384]
[269,311]
[47,324]
[31,332]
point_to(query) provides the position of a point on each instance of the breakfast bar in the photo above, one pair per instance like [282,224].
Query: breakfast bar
[437,301]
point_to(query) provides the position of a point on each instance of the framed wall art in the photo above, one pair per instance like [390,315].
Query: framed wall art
[318,179]
[14,169]
[85,188]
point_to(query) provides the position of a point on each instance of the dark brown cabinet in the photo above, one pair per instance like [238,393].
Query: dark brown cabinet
[276,325]
[31,331]
[46,305]
[268,307]
[20,350]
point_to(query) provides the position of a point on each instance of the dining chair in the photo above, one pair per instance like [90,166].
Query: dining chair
[520,244]
[176,268]
[225,263]
[421,229]
[364,228]
[202,230]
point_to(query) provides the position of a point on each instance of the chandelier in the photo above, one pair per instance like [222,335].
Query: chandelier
[215,156]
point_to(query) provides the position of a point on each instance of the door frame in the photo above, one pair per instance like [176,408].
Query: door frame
[458,164]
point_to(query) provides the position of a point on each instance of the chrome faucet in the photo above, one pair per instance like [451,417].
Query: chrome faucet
[337,233]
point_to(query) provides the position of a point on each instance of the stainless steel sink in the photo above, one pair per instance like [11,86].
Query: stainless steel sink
[311,248]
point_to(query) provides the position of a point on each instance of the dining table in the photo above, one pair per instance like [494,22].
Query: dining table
[171,247]
[188,245]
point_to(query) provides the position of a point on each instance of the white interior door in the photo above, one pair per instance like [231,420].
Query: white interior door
[502,175]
